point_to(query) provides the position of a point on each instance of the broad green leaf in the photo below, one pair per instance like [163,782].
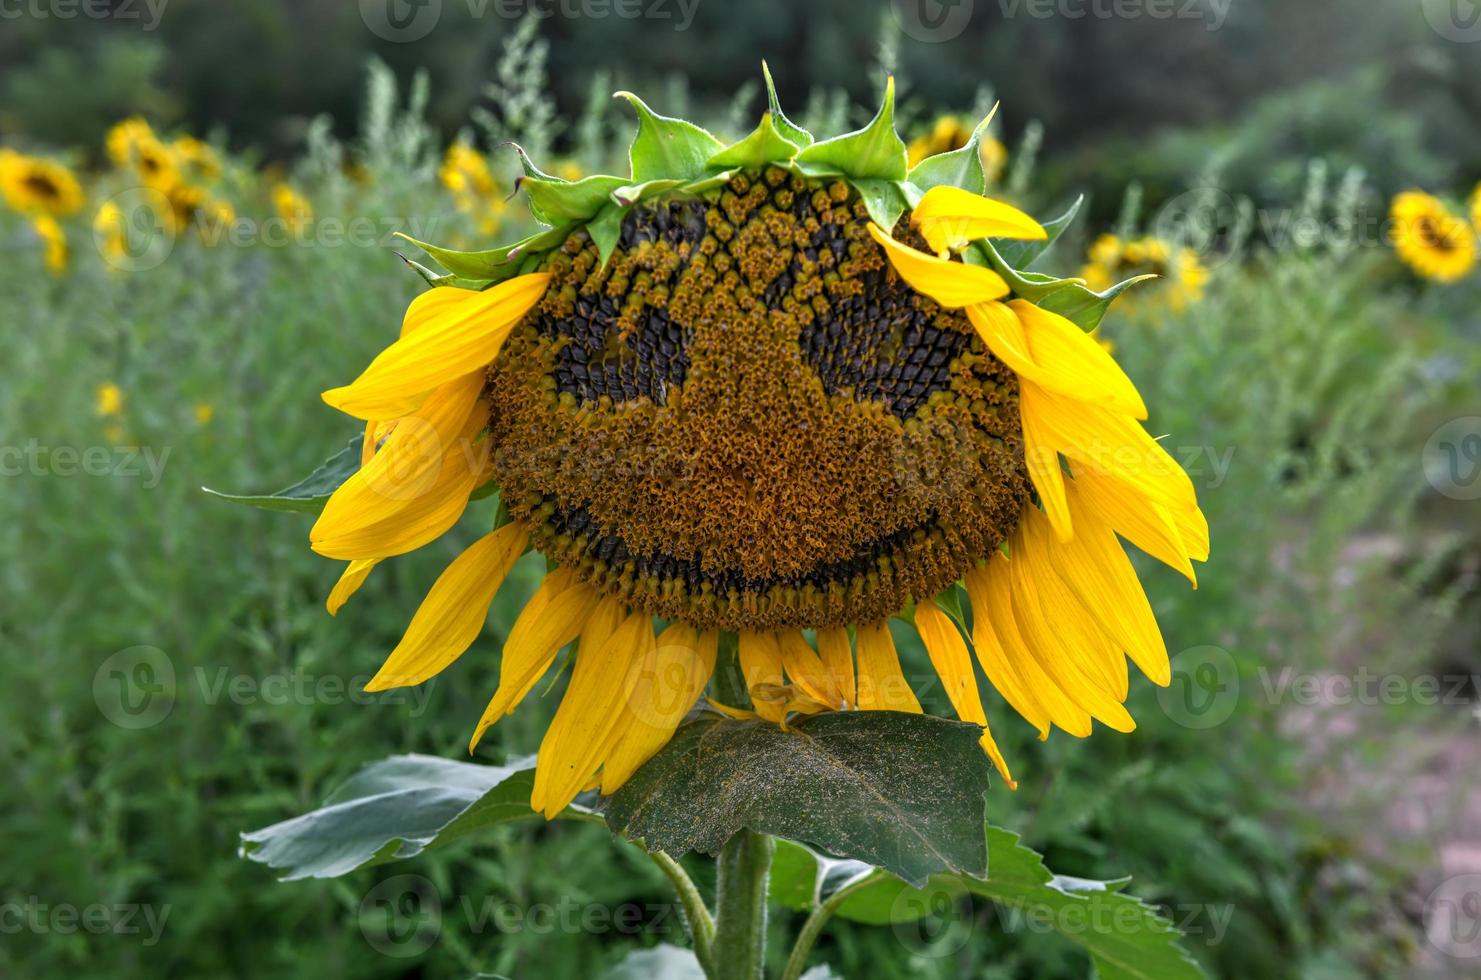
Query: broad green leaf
[1020,254]
[785,126]
[874,151]
[883,198]
[957,168]
[662,962]
[765,145]
[394,809]
[901,791]
[1126,938]
[667,148]
[308,495]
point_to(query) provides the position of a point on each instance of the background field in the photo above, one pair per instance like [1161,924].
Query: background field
[1297,800]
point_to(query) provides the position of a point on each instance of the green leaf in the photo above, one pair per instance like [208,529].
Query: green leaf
[901,791]
[308,495]
[785,126]
[1126,938]
[606,229]
[562,202]
[1084,306]
[764,145]
[957,168]
[1021,254]
[492,264]
[667,147]
[394,809]
[883,198]
[874,151]
[803,879]
[662,962]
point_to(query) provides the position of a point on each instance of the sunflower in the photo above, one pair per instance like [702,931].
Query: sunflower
[948,133]
[110,234]
[36,186]
[292,207]
[1430,239]
[465,172]
[1181,276]
[132,145]
[773,396]
[54,241]
[197,156]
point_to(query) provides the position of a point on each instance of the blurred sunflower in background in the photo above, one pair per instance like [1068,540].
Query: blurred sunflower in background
[291,206]
[1476,209]
[1181,275]
[949,133]
[772,400]
[37,186]
[132,146]
[54,241]
[1430,239]
[181,172]
[465,172]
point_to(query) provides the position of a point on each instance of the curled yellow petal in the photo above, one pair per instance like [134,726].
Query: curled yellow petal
[952,284]
[354,576]
[838,657]
[450,618]
[948,653]
[761,664]
[949,217]
[448,333]
[806,669]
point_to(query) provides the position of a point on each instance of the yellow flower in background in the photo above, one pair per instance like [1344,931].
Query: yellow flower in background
[1434,242]
[1181,276]
[55,242]
[132,145]
[291,206]
[37,186]
[194,205]
[109,400]
[949,133]
[1476,209]
[204,413]
[838,506]
[465,172]
[198,156]
[109,233]
[569,170]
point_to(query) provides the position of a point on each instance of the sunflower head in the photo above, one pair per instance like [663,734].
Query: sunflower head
[133,146]
[38,187]
[1431,239]
[771,395]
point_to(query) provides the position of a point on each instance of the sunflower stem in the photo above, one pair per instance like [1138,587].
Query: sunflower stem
[797,960]
[739,951]
[696,914]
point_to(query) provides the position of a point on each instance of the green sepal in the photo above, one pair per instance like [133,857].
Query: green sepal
[558,202]
[495,264]
[629,194]
[789,130]
[765,145]
[1020,254]
[447,279]
[666,147]
[714,182]
[874,151]
[308,495]
[1081,305]
[606,228]
[957,168]
[883,198]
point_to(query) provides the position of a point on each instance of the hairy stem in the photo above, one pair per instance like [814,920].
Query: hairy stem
[797,959]
[740,907]
[696,915]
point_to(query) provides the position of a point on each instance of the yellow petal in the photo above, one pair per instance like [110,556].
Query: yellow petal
[355,574]
[557,613]
[948,653]
[1000,669]
[1150,526]
[882,686]
[448,333]
[806,669]
[601,683]
[672,678]
[388,527]
[952,284]
[1041,459]
[833,647]
[761,663]
[452,615]
[949,218]
[1069,361]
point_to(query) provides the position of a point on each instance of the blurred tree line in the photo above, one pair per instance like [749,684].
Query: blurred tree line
[1264,83]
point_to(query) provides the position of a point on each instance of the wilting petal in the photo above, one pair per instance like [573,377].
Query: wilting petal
[949,217]
[354,576]
[805,669]
[833,648]
[948,653]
